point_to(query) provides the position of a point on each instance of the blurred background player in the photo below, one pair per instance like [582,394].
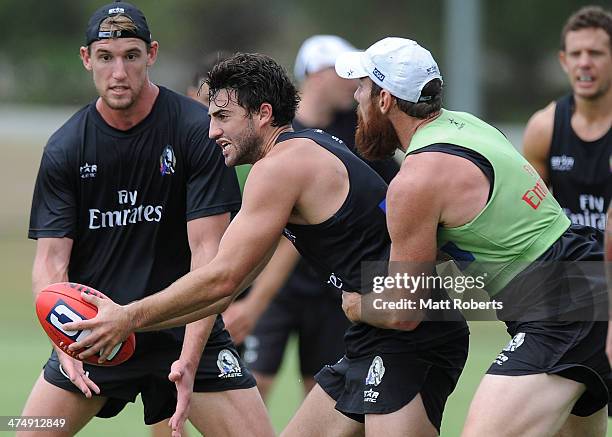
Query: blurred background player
[570,141]
[267,317]
[198,89]
[130,194]
[326,99]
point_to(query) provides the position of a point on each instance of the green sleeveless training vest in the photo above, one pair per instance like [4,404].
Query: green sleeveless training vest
[521,220]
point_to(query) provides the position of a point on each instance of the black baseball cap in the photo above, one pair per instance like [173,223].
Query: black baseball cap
[93,32]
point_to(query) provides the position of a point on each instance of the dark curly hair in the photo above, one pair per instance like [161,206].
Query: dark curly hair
[588,17]
[256,79]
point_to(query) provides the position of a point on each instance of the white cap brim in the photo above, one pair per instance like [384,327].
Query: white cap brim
[349,65]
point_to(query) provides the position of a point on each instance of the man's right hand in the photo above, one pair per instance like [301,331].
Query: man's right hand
[73,370]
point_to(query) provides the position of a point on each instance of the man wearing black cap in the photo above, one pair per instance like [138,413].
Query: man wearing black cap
[130,195]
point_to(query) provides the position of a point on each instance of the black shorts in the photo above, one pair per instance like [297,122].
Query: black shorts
[574,350]
[559,328]
[384,383]
[220,369]
[319,322]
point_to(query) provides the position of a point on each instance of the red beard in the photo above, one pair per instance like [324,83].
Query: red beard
[376,139]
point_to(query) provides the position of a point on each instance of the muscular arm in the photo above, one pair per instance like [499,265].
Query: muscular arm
[214,308]
[432,189]
[50,262]
[537,138]
[267,205]
[241,317]
[251,235]
[413,214]
[50,266]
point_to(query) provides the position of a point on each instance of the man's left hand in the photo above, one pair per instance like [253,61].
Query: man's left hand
[183,377]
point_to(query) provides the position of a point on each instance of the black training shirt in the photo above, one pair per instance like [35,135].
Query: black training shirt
[124,197]
[357,233]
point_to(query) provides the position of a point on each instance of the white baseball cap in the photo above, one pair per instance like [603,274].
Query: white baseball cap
[318,53]
[399,65]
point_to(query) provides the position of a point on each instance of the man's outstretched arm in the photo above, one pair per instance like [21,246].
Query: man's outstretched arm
[413,214]
[242,315]
[252,235]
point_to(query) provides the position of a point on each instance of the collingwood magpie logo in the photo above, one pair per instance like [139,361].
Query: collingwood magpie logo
[167,161]
[88,171]
[375,376]
[376,372]
[228,365]
[515,343]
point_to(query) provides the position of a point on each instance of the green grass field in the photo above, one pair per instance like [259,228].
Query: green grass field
[26,348]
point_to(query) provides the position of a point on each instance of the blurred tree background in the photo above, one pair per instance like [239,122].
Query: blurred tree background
[518,72]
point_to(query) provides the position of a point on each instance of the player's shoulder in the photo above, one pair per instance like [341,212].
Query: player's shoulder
[296,143]
[418,169]
[544,116]
[286,162]
[539,130]
[302,154]
[542,121]
[269,179]
[305,141]
[415,189]
[63,145]
[427,175]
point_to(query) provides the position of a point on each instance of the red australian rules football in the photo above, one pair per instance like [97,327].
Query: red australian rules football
[61,303]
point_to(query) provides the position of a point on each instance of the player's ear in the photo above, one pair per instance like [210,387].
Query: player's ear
[152,53]
[385,101]
[563,60]
[85,57]
[265,114]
